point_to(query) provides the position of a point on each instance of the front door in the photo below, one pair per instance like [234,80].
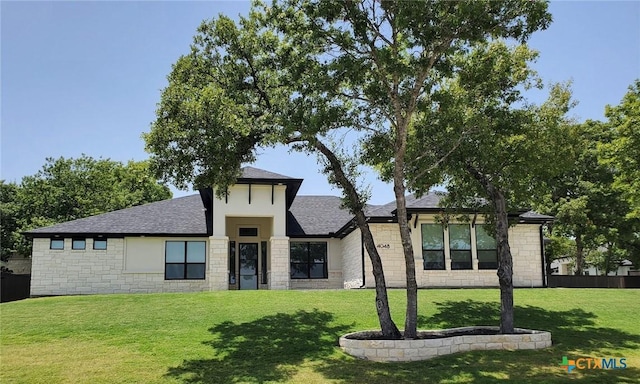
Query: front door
[248,253]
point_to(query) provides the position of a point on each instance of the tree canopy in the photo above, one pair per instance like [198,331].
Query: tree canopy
[67,189]
[309,73]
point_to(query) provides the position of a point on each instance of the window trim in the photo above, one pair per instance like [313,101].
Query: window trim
[185,263]
[73,244]
[309,263]
[56,240]
[444,245]
[100,240]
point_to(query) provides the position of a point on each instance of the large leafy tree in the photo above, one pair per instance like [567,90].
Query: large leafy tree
[507,148]
[307,73]
[67,189]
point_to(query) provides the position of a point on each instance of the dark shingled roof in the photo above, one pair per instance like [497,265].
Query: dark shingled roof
[180,216]
[185,216]
[257,173]
[316,215]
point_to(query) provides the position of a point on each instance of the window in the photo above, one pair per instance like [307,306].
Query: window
[486,247]
[232,262]
[78,244]
[100,244]
[433,246]
[308,260]
[248,232]
[263,263]
[184,260]
[460,246]
[56,244]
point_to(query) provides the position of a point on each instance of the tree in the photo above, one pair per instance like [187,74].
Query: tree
[8,218]
[624,151]
[69,189]
[508,148]
[592,200]
[301,72]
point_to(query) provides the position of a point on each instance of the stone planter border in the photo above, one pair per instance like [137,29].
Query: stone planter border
[423,349]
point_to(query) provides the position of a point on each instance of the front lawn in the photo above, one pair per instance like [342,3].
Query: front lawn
[291,336]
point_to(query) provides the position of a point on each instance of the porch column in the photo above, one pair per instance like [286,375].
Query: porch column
[218,260]
[279,254]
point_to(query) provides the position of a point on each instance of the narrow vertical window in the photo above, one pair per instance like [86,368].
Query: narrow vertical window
[263,263]
[232,262]
[460,246]
[433,246]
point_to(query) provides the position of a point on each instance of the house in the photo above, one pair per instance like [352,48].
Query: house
[262,235]
[566,266]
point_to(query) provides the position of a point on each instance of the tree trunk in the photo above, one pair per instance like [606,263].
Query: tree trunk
[505,264]
[387,326]
[505,261]
[411,319]
[579,255]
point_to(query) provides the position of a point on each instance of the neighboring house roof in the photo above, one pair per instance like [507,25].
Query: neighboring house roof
[307,216]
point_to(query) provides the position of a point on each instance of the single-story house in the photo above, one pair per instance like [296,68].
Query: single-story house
[566,266]
[262,235]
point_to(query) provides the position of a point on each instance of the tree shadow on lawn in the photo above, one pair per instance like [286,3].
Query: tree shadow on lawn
[574,333]
[263,350]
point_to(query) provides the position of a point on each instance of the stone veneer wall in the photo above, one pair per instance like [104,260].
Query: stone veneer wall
[525,248]
[424,349]
[278,275]
[89,271]
[352,260]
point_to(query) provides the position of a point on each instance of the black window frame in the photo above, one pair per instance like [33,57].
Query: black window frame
[248,232]
[185,263]
[101,240]
[432,265]
[484,265]
[73,244]
[232,263]
[461,265]
[56,240]
[310,262]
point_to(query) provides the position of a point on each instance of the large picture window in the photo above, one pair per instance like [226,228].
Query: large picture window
[308,260]
[184,260]
[460,246]
[487,248]
[433,246]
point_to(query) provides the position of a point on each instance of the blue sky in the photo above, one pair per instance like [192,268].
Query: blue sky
[84,77]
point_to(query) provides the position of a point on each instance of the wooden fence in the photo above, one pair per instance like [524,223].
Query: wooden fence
[567,281]
[14,287]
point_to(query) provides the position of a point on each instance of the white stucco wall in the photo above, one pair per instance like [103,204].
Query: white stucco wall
[127,265]
[237,205]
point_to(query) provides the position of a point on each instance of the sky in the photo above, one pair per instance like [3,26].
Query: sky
[84,77]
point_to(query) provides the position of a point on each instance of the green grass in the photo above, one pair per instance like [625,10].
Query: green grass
[291,336]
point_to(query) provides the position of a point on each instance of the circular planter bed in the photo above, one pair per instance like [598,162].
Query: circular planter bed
[369,345]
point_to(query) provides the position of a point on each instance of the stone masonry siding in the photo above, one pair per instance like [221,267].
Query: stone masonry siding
[352,260]
[89,271]
[525,248]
